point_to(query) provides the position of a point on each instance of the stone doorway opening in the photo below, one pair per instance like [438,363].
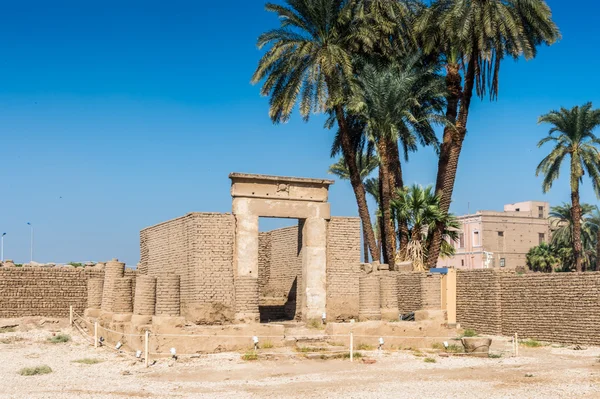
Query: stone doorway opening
[256,196]
[280,269]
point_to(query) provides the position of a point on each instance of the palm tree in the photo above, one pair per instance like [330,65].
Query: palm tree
[475,36]
[420,208]
[594,222]
[542,258]
[397,102]
[309,62]
[367,163]
[563,233]
[572,135]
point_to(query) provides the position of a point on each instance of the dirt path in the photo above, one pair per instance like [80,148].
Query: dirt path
[537,373]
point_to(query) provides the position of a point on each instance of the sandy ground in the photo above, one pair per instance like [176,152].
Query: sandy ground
[548,372]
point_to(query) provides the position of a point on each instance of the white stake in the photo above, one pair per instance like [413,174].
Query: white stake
[70,315]
[146,347]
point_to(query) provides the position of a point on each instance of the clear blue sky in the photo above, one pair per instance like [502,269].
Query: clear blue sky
[119,115]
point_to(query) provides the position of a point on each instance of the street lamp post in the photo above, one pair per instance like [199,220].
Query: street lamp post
[31,249]
[2,247]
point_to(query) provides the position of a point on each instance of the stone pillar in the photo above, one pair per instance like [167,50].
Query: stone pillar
[94,290]
[145,296]
[388,296]
[246,267]
[168,297]
[369,307]
[123,296]
[314,268]
[113,270]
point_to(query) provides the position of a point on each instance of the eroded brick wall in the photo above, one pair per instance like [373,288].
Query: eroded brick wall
[285,262]
[33,291]
[343,267]
[198,247]
[561,307]
[478,300]
[409,292]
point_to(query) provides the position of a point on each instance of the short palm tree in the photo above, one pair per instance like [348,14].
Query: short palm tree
[594,222]
[573,138]
[474,36]
[420,207]
[309,62]
[542,258]
[397,102]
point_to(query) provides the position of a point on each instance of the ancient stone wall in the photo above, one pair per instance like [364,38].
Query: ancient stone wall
[409,292]
[343,268]
[561,307]
[284,260]
[33,291]
[197,247]
[478,302]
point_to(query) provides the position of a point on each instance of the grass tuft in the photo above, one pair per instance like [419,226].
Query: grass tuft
[59,339]
[267,345]
[418,353]
[495,355]
[39,370]
[316,324]
[365,347]
[531,343]
[437,345]
[357,355]
[250,356]
[10,340]
[7,330]
[88,361]
[469,333]
[429,360]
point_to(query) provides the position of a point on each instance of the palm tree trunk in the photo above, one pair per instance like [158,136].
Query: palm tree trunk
[365,245]
[451,147]
[389,233]
[357,184]
[576,216]
[398,184]
[383,230]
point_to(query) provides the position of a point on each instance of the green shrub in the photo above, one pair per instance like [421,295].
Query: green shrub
[531,343]
[437,345]
[250,356]
[59,339]
[495,355]
[455,349]
[88,361]
[365,347]
[29,371]
[429,360]
[469,333]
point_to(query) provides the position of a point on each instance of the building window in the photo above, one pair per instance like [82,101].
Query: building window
[517,210]
[461,240]
[500,234]
[476,239]
[462,262]
[541,212]
[542,238]
[502,262]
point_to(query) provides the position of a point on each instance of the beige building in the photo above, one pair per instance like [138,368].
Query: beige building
[491,239]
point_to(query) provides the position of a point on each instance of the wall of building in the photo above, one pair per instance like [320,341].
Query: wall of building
[48,292]
[343,267]
[560,307]
[199,248]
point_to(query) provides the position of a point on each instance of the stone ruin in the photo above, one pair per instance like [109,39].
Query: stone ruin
[206,269]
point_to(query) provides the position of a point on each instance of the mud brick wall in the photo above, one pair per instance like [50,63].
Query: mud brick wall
[198,247]
[562,307]
[284,260]
[343,268]
[36,291]
[478,301]
[431,294]
[264,259]
[409,292]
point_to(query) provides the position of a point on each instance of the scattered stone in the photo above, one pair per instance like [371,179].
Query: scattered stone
[126,372]
[369,361]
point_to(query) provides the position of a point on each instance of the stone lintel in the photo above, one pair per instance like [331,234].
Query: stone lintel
[279,187]
[281,208]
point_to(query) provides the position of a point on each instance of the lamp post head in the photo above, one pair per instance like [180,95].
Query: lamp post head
[3,234]
[29,223]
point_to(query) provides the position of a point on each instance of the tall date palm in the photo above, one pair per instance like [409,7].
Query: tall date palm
[309,62]
[573,138]
[474,36]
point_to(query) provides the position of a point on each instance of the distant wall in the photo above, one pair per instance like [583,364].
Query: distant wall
[343,267]
[558,307]
[199,248]
[42,291]
[417,291]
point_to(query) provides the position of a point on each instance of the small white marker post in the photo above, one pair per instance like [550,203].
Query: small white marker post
[351,347]
[70,315]
[96,335]
[516,344]
[146,347]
